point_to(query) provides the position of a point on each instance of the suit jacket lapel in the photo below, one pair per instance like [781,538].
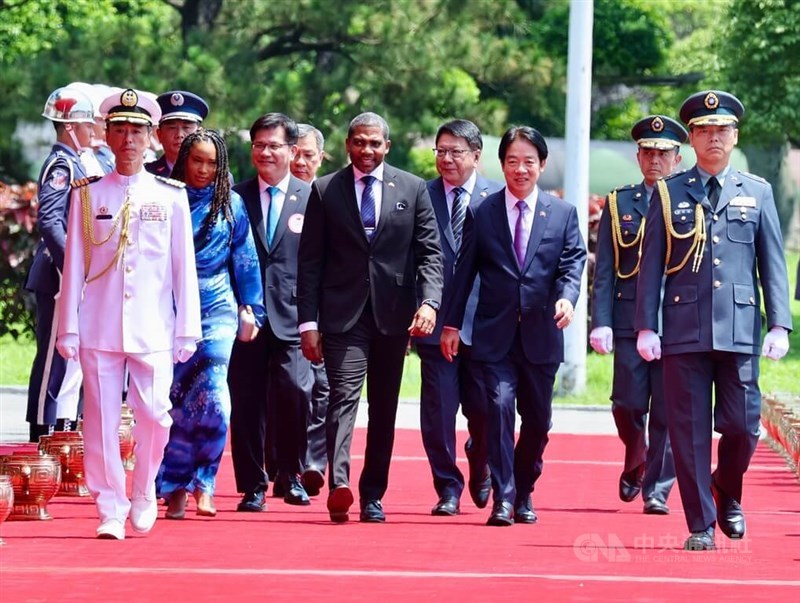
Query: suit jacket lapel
[252,199]
[347,194]
[388,199]
[289,208]
[540,219]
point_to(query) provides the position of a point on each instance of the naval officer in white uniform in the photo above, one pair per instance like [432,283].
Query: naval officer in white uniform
[129,298]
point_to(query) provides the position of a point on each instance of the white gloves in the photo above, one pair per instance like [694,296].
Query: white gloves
[602,340]
[183,349]
[67,345]
[648,344]
[776,343]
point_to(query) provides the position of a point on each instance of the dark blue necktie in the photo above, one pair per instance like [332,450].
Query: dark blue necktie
[713,191]
[368,206]
[460,202]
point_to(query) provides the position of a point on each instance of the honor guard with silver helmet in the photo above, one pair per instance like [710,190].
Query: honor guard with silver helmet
[54,386]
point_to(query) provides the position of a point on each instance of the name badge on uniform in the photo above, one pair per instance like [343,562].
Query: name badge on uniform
[743,201]
[153,213]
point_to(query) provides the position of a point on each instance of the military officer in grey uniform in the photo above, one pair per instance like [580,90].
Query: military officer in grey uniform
[712,235]
[182,113]
[637,389]
[72,114]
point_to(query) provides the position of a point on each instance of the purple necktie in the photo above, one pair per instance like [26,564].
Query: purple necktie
[521,233]
[368,206]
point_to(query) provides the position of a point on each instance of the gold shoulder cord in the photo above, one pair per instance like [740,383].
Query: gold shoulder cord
[616,238]
[88,235]
[698,232]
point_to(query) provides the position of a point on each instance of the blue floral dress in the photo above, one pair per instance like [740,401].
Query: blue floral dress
[228,274]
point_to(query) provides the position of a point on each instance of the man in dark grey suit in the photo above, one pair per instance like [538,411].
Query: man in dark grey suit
[712,235]
[369,241]
[270,380]
[637,393]
[446,385]
[528,251]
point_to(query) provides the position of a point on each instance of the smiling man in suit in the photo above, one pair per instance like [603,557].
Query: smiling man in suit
[269,378]
[369,243]
[446,385]
[526,247]
[712,236]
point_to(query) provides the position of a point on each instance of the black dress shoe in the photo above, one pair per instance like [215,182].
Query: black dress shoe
[312,479]
[339,501]
[700,541]
[295,493]
[447,506]
[502,514]
[524,513]
[480,480]
[630,483]
[730,517]
[252,502]
[653,506]
[372,512]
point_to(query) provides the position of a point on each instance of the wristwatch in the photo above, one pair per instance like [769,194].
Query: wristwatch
[432,303]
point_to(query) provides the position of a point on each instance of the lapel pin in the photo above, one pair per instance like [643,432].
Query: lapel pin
[484,194]
[691,180]
[391,185]
[293,198]
[637,195]
[542,213]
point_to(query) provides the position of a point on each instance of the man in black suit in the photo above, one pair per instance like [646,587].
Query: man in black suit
[528,251]
[637,393]
[182,113]
[369,241]
[712,237]
[445,384]
[270,380]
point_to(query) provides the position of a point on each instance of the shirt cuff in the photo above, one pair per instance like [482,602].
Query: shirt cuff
[307,326]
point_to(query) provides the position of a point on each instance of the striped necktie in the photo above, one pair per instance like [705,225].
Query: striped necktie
[368,206]
[459,212]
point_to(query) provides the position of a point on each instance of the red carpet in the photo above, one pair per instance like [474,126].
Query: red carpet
[587,546]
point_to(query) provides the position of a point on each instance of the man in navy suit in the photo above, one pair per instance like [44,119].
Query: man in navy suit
[637,394]
[370,242]
[445,385]
[712,236]
[55,383]
[526,247]
[182,113]
[269,379]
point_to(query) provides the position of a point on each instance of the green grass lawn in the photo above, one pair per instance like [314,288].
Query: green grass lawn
[783,376]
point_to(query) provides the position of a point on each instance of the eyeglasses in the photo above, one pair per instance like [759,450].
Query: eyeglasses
[273,147]
[454,153]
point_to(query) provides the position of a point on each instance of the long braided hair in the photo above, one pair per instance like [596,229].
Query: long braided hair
[221,201]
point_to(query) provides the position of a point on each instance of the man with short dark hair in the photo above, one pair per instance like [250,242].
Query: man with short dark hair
[269,378]
[526,247]
[182,113]
[712,236]
[447,385]
[369,243]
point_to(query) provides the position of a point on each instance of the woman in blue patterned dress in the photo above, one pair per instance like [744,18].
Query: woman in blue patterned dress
[228,274]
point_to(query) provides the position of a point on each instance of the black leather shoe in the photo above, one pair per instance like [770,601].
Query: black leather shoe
[630,483]
[480,480]
[700,541]
[252,502]
[524,513]
[502,514]
[312,479]
[295,493]
[339,501]
[372,512]
[730,517]
[653,506]
[447,506]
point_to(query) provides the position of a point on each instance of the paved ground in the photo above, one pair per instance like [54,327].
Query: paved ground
[13,427]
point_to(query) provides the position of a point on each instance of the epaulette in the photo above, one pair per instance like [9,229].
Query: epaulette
[625,187]
[171,182]
[673,175]
[753,176]
[84,181]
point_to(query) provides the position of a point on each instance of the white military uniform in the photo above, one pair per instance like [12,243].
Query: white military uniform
[138,297]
